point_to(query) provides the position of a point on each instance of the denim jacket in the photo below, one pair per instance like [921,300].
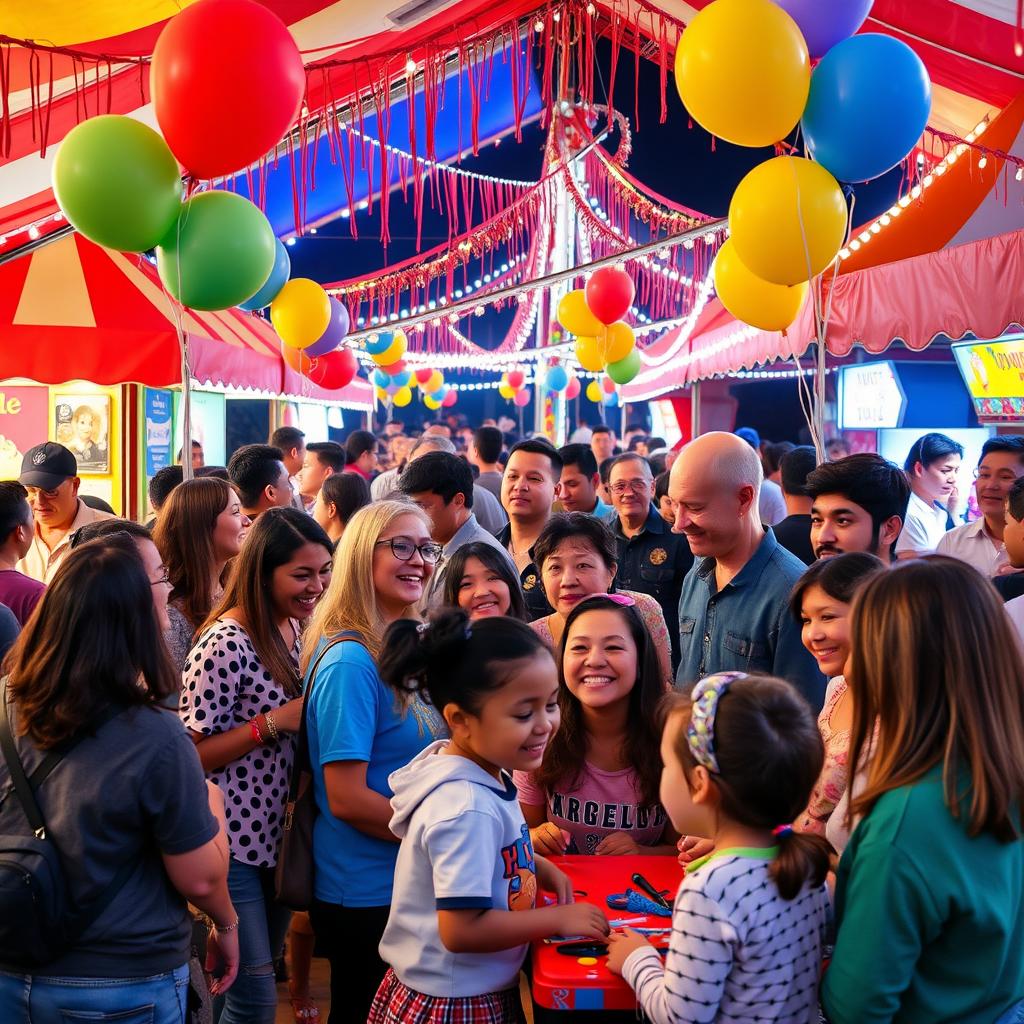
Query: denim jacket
[746,626]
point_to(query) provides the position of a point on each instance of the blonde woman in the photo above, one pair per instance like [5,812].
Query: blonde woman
[358,735]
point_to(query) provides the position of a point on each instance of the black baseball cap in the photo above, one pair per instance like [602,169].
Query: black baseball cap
[47,466]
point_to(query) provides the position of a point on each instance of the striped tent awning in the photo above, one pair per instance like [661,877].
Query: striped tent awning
[72,310]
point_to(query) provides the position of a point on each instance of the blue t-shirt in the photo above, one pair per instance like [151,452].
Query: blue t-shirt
[354,716]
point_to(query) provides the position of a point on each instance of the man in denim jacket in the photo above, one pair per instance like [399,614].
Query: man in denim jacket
[734,606]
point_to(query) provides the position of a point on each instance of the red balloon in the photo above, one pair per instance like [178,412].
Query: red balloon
[515,378]
[393,369]
[422,376]
[609,386]
[227,82]
[572,389]
[450,399]
[334,370]
[610,293]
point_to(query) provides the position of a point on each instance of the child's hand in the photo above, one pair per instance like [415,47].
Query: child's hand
[549,840]
[554,880]
[621,943]
[693,848]
[618,844]
[583,919]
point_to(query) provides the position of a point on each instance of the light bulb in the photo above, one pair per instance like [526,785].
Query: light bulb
[983,162]
[1019,175]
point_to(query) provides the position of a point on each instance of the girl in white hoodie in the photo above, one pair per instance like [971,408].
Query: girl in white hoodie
[463,910]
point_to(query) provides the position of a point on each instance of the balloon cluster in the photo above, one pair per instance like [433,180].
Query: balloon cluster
[559,379]
[604,341]
[394,381]
[604,391]
[743,69]
[511,388]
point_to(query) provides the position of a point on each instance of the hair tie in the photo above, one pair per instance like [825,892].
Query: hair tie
[421,628]
[700,733]
[782,831]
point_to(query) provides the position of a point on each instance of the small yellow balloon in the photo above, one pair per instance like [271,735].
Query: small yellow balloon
[382,395]
[402,397]
[300,312]
[787,219]
[594,392]
[431,403]
[395,351]
[435,383]
[771,307]
[575,316]
[616,341]
[743,71]
[590,354]
[506,391]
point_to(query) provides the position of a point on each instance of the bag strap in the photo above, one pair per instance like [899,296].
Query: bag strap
[22,788]
[302,762]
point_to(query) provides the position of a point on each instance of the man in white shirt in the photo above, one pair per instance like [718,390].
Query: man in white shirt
[292,443]
[981,543]
[931,467]
[49,472]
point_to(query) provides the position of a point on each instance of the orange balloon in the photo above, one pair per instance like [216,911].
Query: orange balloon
[297,359]
[616,341]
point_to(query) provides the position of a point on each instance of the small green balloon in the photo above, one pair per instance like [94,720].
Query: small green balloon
[219,254]
[626,369]
[117,183]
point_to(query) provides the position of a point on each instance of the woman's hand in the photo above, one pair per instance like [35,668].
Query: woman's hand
[554,880]
[222,959]
[583,919]
[549,840]
[621,943]
[288,717]
[618,844]
[692,848]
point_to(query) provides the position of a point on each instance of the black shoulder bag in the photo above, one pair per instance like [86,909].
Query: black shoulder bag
[37,922]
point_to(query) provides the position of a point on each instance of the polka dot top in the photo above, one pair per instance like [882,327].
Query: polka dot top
[224,685]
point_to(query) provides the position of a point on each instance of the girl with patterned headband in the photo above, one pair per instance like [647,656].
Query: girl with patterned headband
[740,759]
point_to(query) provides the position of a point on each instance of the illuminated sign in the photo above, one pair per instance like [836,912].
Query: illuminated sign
[994,374]
[870,397]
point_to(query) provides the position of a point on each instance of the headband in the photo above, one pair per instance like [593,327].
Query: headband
[700,733]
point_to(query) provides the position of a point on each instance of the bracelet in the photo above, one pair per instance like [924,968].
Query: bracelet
[221,928]
[257,732]
[271,726]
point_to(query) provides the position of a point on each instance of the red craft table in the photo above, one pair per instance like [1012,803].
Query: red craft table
[561,983]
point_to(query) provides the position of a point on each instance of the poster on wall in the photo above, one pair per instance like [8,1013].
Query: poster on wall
[82,423]
[209,422]
[24,415]
[159,407]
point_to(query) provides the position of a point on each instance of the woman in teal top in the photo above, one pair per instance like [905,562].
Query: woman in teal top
[930,887]
[359,733]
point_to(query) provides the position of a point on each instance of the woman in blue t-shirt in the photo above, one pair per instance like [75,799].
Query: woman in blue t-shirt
[359,733]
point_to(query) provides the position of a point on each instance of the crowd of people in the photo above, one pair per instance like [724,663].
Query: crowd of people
[796,677]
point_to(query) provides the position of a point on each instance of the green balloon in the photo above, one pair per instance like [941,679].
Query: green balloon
[219,254]
[117,183]
[626,369]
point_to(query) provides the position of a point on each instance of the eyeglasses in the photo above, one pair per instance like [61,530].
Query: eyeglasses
[163,579]
[636,486]
[403,549]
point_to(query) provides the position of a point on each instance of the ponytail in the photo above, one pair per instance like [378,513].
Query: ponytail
[449,660]
[802,857]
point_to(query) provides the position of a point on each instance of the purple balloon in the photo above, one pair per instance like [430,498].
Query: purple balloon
[334,334]
[826,22]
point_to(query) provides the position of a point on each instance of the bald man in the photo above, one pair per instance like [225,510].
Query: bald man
[734,606]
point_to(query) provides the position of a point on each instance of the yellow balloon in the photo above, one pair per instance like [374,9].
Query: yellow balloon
[590,354]
[393,352]
[435,383]
[594,392]
[743,71]
[382,396]
[300,312]
[616,341]
[403,396]
[431,403]
[506,391]
[778,205]
[575,316]
[771,307]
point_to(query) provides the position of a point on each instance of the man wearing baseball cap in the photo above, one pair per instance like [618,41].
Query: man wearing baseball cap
[49,472]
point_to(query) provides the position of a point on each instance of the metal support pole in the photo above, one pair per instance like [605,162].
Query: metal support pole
[695,409]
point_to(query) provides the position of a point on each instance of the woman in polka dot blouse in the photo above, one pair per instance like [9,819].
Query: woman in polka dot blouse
[241,700]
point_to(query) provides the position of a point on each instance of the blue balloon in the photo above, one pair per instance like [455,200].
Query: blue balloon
[557,379]
[869,103]
[438,395]
[381,379]
[612,400]
[402,379]
[279,275]
[383,342]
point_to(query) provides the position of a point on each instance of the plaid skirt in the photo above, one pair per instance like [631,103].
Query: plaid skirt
[396,1003]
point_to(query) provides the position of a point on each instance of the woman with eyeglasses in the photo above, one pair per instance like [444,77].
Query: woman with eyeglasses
[931,466]
[241,700]
[575,555]
[358,735]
